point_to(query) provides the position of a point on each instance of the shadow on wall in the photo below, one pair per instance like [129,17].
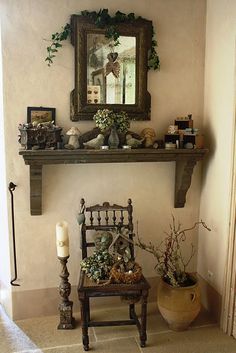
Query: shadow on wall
[211,144]
[211,299]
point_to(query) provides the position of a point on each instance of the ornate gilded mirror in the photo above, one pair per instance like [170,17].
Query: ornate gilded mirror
[108,75]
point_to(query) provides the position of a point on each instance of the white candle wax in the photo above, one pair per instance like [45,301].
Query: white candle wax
[62,239]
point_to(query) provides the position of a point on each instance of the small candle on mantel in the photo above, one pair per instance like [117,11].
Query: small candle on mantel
[62,239]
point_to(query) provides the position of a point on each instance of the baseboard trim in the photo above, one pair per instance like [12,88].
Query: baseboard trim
[6,297]
[44,302]
[210,298]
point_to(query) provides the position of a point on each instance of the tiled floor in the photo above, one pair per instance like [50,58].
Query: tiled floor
[40,335]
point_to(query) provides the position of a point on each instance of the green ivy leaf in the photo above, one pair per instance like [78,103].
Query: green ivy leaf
[102,19]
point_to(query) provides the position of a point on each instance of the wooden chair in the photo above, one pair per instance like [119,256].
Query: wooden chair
[107,217]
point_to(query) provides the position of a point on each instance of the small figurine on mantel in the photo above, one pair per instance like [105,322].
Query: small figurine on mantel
[149,136]
[73,142]
[95,143]
[133,142]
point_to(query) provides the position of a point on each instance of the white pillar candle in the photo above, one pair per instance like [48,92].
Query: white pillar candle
[62,239]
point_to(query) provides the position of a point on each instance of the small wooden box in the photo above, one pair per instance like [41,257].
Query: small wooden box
[172,138]
[196,140]
[41,138]
[184,123]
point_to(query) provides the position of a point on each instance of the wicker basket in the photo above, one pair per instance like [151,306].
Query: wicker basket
[126,277]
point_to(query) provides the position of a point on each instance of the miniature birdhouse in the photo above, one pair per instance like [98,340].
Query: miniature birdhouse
[120,248]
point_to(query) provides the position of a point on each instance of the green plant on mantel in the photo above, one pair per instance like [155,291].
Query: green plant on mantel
[106,119]
[102,19]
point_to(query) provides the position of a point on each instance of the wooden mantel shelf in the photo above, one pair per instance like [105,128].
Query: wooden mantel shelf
[185,161]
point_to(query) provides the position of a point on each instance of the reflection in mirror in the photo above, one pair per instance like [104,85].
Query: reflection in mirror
[109,76]
[111,70]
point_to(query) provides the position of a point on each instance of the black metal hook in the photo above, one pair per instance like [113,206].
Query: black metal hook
[11,188]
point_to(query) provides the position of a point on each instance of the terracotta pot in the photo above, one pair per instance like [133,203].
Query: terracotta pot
[178,305]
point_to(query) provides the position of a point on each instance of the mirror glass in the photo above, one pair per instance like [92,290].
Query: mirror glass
[111,70]
[109,76]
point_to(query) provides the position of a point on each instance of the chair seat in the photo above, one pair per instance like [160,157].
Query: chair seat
[93,288]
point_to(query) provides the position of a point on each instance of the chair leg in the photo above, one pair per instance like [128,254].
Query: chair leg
[88,309]
[143,334]
[84,323]
[131,311]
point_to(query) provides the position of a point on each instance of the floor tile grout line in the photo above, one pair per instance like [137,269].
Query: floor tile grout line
[136,340]
[115,338]
[202,326]
[63,346]
[94,333]
[190,329]
[41,349]
[80,344]
[37,350]
[135,337]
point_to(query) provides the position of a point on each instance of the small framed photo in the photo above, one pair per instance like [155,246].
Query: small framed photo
[93,94]
[41,115]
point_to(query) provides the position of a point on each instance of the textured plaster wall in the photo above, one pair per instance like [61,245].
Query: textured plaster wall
[176,90]
[219,125]
[5,273]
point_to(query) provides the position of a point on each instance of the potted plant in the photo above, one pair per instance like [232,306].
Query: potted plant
[106,119]
[178,295]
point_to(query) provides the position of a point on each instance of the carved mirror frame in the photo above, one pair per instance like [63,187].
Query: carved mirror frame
[139,28]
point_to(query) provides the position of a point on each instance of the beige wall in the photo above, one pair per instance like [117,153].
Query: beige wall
[176,90]
[219,125]
[5,273]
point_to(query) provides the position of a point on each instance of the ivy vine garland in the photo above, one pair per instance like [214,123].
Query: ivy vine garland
[102,19]
[56,40]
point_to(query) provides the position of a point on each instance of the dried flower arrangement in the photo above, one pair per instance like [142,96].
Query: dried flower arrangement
[105,119]
[171,264]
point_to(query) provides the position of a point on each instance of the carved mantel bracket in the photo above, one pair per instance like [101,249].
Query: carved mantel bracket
[185,162]
[183,176]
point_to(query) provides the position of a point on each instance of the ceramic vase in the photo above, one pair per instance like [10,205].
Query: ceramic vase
[179,306]
[113,139]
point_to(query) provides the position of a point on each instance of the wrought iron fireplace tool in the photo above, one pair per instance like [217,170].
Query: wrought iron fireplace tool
[11,188]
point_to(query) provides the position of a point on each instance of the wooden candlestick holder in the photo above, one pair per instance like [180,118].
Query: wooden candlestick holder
[65,307]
